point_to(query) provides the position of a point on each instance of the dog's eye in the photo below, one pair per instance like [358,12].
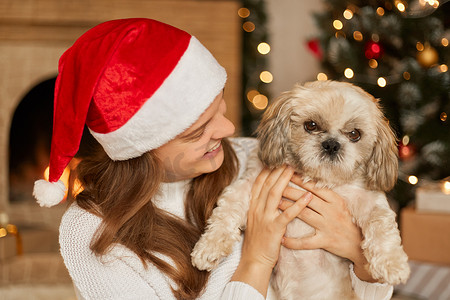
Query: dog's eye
[354,135]
[310,126]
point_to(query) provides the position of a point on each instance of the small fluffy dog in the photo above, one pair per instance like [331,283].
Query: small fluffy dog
[334,134]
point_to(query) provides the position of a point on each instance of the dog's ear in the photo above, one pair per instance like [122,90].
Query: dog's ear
[382,166]
[274,131]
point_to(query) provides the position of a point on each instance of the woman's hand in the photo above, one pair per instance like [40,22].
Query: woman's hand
[266,227]
[335,232]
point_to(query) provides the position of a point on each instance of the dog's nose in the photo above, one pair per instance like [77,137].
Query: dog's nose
[331,146]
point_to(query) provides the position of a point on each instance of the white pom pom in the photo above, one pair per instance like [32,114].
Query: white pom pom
[49,193]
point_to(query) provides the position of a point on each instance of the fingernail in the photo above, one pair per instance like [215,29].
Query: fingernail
[308,197]
[283,241]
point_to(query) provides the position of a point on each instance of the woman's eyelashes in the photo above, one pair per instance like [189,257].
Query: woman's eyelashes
[198,135]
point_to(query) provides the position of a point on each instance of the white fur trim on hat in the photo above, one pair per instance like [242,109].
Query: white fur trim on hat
[49,193]
[185,94]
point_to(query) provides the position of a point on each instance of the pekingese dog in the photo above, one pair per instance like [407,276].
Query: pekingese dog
[334,134]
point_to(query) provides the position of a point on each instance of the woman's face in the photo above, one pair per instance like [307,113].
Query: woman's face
[198,149]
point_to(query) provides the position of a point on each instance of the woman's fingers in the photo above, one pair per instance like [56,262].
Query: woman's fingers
[295,209]
[317,204]
[259,181]
[269,182]
[325,194]
[285,204]
[307,214]
[275,190]
[293,193]
[268,188]
[256,189]
[304,243]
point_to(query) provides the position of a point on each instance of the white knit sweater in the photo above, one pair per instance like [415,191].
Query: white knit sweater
[120,274]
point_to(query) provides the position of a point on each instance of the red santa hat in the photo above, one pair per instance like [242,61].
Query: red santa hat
[136,84]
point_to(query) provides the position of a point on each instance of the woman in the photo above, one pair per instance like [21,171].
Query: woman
[152,98]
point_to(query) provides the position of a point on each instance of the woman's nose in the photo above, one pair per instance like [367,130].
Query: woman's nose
[224,128]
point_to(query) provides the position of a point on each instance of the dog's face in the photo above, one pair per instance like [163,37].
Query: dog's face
[331,132]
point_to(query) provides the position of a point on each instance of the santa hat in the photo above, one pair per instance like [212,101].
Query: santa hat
[136,84]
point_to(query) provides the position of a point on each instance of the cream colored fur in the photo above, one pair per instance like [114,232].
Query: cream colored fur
[360,171]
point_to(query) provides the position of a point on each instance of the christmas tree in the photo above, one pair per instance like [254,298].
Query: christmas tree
[399,52]
[255,76]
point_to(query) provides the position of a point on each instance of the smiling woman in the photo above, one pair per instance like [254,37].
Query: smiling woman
[214,23]
[135,123]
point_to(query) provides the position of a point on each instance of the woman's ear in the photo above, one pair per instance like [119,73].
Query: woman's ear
[274,131]
[382,166]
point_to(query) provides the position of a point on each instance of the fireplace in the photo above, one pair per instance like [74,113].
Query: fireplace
[29,140]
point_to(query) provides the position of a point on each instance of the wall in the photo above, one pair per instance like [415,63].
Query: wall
[290,24]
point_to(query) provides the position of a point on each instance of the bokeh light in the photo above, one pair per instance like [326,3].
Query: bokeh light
[266,77]
[263,48]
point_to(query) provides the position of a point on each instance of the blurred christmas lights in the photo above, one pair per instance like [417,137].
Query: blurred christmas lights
[373,63]
[433,3]
[243,12]
[357,35]
[405,140]
[380,11]
[445,186]
[337,24]
[444,42]
[260,102]
[373,50]
[348,14]
[266,77]
[381,82]
[248,26]
[252,25]
[252,94]
[400,6]
[375,37]
[263,48]
[322,76]
[413,179]
[349,73]
[419,46]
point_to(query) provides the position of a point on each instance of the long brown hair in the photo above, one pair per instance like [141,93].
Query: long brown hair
[121,193]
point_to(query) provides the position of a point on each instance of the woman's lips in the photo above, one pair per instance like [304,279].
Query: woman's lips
[215,147]
[213,151]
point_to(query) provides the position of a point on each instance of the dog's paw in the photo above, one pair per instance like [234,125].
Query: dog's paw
[393,270]
[210,250]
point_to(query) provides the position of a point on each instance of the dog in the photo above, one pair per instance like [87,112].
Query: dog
[334,134]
